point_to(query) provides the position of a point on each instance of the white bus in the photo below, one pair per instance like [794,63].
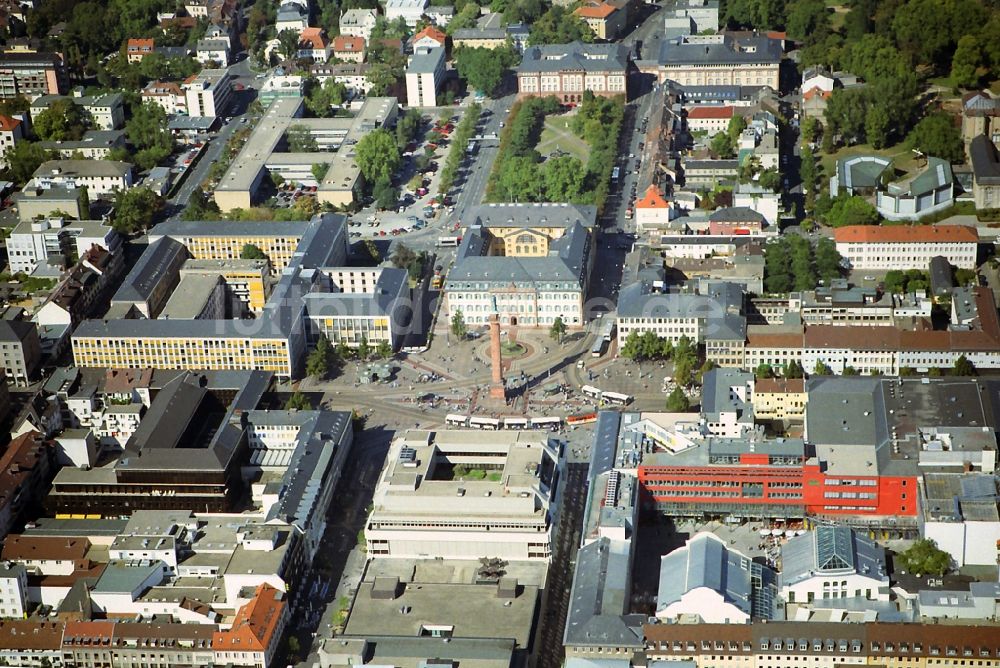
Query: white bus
[453,420]
[591,391]
[616,398]
[515,423]
[484,423]
[449,242]
[552,423]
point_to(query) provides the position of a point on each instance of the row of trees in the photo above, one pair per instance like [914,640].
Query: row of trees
[456,154]
[792,263]
[791,370]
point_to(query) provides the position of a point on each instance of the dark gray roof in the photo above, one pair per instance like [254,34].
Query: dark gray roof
[600,597]
[985,162]
[322,437]
[149,270]
[575,56]
[737,214]
[732,165]
[564,263]
[426,60]
[16,330]
[534,215]
[846,411]
[721,49]
[224,430]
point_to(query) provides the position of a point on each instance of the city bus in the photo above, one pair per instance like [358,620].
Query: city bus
[591,391]
[597,349]
[449,242]
[585,418]
[453,420]
[515,423]
[484,423]
[616,398]
[552,423]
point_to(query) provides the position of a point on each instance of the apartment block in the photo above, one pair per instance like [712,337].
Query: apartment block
[32,74]
[424,76]
[209,93]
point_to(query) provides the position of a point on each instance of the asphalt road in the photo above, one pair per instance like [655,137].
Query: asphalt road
[217,140]
[472,180]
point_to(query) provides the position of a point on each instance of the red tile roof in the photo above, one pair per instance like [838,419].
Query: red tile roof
[7,123]
[314,38]
[29,635]
[774,385]
[595,10]
[348,43]
[256,625]
[710,112]
[432,32]
[906,234]
[137,44]
[652,200]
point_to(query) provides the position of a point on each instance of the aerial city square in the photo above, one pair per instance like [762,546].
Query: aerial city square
[523,334]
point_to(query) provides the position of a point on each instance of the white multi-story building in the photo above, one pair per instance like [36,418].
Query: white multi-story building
[358,23]
[361,304]
[167,94]
[100,177]
[11,132]
[464,494]
[13,591]
[877,248]
[424,76]
[209,93]
[31,244]
[833,562]
[107,112]
[722,60]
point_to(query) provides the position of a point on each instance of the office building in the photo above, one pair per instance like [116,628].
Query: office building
[335,137]
[410,11]
[32,244]
[504,484]
[186,453]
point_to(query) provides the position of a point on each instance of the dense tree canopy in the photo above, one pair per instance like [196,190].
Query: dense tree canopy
[482,68]
[559,25]
[135,209]
[377,155]
[936,135]
[62,121]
